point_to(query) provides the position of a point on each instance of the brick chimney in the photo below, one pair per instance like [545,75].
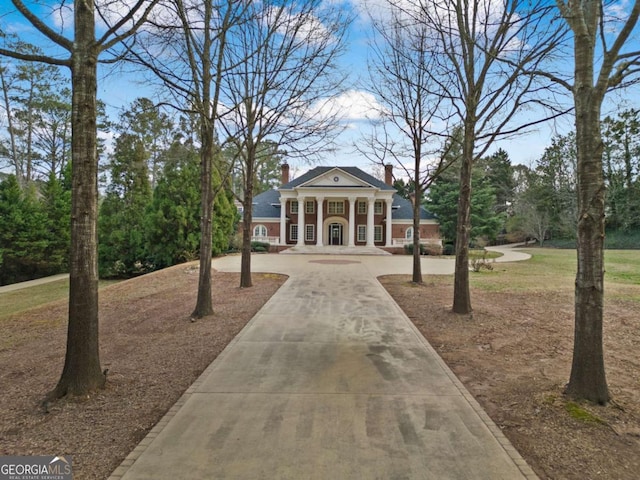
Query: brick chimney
[284,178]
[388,174]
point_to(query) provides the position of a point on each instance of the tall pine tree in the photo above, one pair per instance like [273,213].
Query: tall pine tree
[121,219]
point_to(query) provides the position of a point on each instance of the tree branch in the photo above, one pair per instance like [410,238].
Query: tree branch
[42,28]
[35,58]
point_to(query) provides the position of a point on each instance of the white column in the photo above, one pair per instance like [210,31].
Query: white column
[389,232]
[352,221]
[370,210]
[301,201]
[283,221]
[319,229]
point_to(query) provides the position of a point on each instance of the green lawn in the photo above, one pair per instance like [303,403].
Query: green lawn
[30,297]
[482,253]
[554,269]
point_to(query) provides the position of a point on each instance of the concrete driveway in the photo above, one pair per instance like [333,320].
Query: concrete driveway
[330,380]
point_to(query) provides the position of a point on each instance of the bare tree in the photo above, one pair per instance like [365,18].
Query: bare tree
[283,72]
[605,58]
[82,373]
[28,91]
[185,49]
[482,49]
[400,80]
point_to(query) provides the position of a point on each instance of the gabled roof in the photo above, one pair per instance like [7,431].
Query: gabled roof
[267,204]
[403,210]
[320,171]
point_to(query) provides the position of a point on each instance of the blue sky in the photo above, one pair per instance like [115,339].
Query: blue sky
[117,90]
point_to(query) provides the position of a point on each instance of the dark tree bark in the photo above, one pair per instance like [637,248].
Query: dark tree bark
[82,372]
[461,292]
[416,276]
[588,378]
[617,67]
[247,219]
[204,301]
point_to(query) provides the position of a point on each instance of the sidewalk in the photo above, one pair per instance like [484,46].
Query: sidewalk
[32,283]
[330,380]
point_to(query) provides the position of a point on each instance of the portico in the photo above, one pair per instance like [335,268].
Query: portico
[331,218]
[331,207]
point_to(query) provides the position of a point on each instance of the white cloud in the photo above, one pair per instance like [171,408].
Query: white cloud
[306,26]
[488,15]
[352,105]
[109,12]
[615,15]
[62,16]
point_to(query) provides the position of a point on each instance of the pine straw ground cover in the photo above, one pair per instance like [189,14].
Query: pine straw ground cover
[152,351]
[514,355]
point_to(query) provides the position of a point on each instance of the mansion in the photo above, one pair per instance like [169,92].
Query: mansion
[338,206]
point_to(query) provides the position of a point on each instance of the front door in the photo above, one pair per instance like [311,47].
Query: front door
[335,234]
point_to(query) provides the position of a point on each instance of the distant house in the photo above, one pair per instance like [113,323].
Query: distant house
[338,206]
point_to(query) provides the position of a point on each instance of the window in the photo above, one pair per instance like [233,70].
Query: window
[310,232]
[293,232]
[310,207]
[294,206]
[408,235]
[362,233]
[377,233]
[260,231]
[362,208]
[335,207]
[377,208]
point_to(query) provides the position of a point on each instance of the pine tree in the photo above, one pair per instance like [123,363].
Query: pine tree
[56,206]
[23,234]
[172,218]
[121,219]
[442,200]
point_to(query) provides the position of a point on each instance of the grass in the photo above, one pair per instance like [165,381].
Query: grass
[27,298]
[555,269]
[547,269]
[579,413]
[622,266]
[475,253]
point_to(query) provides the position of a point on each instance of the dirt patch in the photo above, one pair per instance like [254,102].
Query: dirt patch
[514,355]
[151,348]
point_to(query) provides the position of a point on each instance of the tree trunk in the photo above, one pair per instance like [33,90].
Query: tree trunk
[204,302]
[417,265]
[11,130]
[247,218]
[587,380]
[82,372]
[461,293]
[245,264]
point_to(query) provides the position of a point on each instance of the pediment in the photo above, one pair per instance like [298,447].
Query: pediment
[336,177]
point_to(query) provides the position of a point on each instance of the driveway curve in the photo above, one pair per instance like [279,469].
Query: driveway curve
[330,380]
